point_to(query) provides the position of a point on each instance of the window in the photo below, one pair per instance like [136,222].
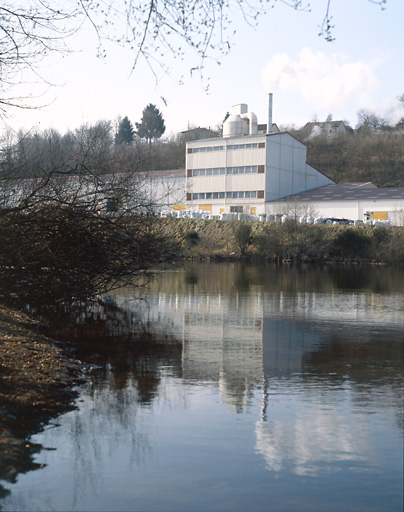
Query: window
[206,172]
[237,194]
[250,194]
[236,209]
[252,145]
[205,149]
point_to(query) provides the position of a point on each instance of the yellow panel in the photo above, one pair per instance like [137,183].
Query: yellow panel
[221,210]
[253,210]
[380,216]
[179,207]
[206,207]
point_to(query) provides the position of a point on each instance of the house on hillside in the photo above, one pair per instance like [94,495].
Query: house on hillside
[328,128]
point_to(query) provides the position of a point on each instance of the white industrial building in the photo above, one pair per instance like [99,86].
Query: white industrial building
[245,169]
[256,171]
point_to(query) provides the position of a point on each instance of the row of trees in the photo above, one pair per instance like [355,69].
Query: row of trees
[97,149]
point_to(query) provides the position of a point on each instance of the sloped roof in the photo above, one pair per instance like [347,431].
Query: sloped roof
[346,192]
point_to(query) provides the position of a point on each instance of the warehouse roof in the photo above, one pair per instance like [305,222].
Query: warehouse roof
[346,192]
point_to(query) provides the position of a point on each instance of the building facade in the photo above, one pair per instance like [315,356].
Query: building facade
[244,170]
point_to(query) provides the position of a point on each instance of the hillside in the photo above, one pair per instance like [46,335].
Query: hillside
[359,157]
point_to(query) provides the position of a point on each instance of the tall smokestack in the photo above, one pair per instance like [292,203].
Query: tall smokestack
[269,126]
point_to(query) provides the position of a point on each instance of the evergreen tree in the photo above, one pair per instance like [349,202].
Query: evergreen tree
[152,124]
[125,133]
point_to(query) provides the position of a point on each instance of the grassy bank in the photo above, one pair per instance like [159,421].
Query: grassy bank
[289,241]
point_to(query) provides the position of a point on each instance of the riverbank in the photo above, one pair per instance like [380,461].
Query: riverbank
[38,376]
[289,241]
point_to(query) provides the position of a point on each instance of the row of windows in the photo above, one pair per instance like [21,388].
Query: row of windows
[217,171]
[252,145]
[248,194]
[206,149]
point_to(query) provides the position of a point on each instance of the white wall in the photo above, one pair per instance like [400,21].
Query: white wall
[287,172]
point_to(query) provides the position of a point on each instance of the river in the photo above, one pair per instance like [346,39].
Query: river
[230,387]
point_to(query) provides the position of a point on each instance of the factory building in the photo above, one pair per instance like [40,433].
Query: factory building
[248,167]
[258,170]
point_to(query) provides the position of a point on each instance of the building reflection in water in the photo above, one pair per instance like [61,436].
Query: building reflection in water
[267,341]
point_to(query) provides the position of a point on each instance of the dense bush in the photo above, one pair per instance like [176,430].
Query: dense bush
[350,243]
[62,254]
[288,241]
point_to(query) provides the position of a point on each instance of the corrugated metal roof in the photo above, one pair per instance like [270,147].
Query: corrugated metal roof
[346,192]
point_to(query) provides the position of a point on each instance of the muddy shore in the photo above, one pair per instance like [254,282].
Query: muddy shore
[38,380]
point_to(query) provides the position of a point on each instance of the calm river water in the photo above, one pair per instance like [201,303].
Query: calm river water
[243,388]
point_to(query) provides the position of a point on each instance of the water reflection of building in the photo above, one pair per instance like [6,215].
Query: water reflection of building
[222,340]
[230,339]
[236,338]
[275,342]
[313,437]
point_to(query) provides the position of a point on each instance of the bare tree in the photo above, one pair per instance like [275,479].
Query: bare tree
[69,233]
[30,31]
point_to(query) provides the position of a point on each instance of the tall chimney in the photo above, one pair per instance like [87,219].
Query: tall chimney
[269,126]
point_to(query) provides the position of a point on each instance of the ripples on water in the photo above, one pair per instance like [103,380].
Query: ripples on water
[246,388]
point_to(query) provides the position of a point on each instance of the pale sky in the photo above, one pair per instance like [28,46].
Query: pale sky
[363,68]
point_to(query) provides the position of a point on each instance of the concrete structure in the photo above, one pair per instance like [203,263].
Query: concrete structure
[244,170]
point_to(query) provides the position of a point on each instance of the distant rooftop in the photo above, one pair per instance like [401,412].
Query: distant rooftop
[346,192]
